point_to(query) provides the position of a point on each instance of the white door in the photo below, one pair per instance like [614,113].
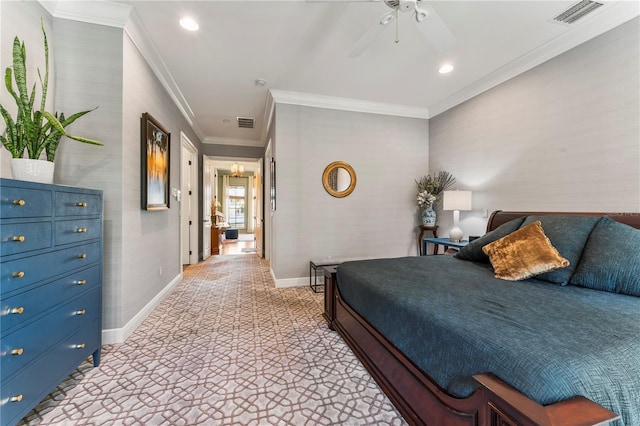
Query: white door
[257,212]
[206,213]
[268,211]
[189,202]
[185,205]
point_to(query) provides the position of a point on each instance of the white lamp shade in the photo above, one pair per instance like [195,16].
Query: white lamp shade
[456,200]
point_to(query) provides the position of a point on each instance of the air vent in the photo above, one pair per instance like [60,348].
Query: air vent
[577,11]
[245,122]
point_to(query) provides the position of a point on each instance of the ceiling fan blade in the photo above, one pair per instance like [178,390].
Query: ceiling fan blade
[433,28]
[341,1]
[372,34]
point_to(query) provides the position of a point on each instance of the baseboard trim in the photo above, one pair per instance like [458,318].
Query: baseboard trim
[292,282]
[119,335]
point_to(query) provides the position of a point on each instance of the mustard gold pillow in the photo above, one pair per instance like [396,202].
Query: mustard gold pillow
[523,254]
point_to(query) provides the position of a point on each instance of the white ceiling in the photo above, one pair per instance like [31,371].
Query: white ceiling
[301,47]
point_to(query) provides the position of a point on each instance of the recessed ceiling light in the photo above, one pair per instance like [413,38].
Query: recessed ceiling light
[189,24]
[445,69]
[260,82]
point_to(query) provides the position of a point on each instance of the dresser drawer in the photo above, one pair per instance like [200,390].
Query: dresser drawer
[24,202]
[21,273]
[77,230]
[24,237]
[20,348]
[78,204]
[26,388]
[16,311]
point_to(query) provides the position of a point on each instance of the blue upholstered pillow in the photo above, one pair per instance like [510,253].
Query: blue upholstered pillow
[611,259]
[473,250]
[568,234]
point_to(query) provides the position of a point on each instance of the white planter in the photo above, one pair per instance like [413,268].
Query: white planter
[32,170]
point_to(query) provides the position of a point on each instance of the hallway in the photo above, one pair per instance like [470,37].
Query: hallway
[245,244]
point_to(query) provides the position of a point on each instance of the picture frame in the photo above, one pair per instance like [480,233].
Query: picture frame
[156,156]
[272,180]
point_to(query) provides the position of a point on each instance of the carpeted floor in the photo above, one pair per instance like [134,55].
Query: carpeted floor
[225,348]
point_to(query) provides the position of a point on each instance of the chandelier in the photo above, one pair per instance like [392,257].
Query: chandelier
[236,170]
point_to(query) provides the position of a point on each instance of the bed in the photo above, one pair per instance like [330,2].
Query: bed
[539,363]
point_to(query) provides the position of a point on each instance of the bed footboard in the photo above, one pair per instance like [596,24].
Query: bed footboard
[421,401]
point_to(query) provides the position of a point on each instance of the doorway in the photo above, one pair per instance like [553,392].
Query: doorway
[238,201]
[189,215]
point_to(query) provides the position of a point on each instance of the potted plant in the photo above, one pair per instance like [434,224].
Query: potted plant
[34,130]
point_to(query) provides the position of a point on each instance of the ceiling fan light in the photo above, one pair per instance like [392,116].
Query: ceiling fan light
[386,18]
[406,5]
[445,69]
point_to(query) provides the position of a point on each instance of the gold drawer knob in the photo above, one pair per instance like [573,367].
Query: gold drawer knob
[81,204]
[81,282]
[80,312]
[82,256]
[19,274]
[18,238]
[18,311]
[80,346]
[18,351]
[16,398]
[82,230]
[19,202]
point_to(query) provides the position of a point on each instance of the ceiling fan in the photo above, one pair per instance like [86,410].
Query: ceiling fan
[428,21]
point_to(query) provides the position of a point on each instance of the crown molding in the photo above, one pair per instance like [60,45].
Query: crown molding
[124,16]
[613,15]
[140,38]
[95,12]
[345,104]
[269,112]
[232,141]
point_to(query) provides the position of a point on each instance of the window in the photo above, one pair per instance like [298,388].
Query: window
[236,206]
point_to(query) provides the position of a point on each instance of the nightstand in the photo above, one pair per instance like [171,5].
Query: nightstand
[446,242]
[422,248]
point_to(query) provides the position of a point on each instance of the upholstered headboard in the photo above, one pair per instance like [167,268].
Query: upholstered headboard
[499,217]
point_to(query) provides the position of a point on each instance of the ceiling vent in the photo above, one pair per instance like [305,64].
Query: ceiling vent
[245,122]
[577,11]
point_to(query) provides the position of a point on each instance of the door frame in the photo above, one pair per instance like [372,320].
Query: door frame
[207,198]
[267,212]
[217,160]
[194,212]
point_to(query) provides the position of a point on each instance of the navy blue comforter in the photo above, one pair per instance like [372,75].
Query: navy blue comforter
[453,319]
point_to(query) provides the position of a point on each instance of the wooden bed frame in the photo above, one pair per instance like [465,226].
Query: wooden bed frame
[422,402]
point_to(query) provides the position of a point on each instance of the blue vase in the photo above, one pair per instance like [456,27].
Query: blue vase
[429,217]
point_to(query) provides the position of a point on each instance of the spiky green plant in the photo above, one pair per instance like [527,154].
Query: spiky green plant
[35,130]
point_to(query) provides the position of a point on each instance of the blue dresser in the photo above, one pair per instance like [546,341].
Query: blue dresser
[50,289]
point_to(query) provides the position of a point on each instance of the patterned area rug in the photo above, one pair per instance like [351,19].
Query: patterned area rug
[225,348]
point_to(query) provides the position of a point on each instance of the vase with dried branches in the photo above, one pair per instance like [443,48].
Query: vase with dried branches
[430,192]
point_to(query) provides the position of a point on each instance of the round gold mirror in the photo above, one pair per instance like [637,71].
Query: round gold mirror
[339,179]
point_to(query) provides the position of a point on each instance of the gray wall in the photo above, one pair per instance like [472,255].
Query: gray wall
[378,219]
[151,242]
[563,136]
[81,85]
[232,150]
[97,65]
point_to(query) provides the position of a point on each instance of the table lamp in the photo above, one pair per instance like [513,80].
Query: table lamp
[456,201]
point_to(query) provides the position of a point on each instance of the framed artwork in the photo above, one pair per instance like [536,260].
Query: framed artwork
[272,181]
[156,149]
